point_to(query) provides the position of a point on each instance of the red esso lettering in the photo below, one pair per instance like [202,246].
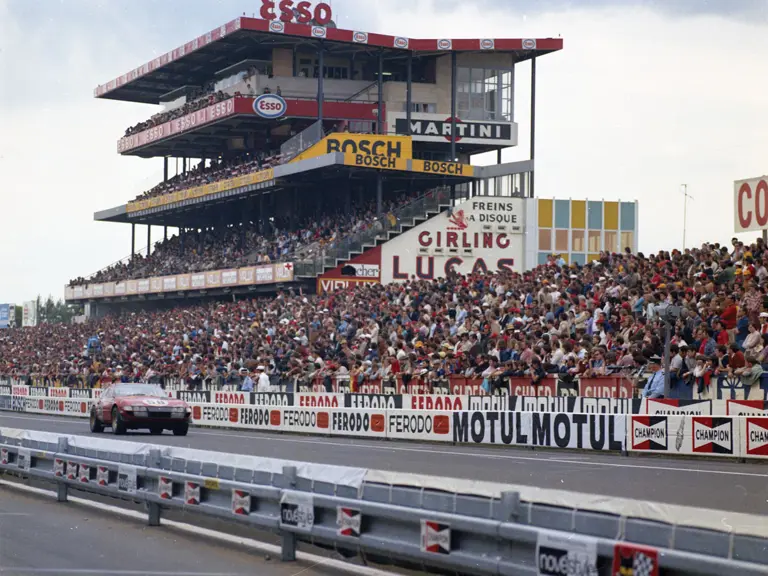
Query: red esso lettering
[748,202]
[269,106]
[303,12]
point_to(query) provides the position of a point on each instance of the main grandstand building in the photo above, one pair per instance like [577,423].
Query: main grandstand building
[280,120]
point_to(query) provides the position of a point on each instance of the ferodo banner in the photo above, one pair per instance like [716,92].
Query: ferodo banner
[418,425]
[319,400]
[553,430]
[448,402]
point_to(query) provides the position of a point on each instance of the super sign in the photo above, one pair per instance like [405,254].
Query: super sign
[302,12]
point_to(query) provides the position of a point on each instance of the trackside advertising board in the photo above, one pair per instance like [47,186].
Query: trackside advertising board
[734,436]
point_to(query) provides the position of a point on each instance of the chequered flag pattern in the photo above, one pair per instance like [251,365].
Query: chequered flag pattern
[642,565]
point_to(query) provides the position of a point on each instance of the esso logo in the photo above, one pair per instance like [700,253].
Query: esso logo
[301,12]
[276,26]
[529,44]
[444,44]
[751,209]
[270,106]
[318,31]
[360,37]
[487,44]
[401,42]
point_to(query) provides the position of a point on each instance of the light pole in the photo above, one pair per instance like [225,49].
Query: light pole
[685,210]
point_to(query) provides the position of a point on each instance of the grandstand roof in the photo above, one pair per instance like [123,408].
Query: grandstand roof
[199,60]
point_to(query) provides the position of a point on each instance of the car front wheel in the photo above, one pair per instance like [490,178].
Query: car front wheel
[118,426]
[181,430]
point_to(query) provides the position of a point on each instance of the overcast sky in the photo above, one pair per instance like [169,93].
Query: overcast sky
[645,96]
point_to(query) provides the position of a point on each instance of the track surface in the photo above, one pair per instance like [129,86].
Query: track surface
[723,485]
[41,536]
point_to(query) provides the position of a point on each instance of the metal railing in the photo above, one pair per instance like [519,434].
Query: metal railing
[314,265]
[369,513]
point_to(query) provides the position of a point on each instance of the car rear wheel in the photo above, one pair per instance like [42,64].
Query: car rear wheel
[118,426]
[181,430]
[96,426]
[155,430]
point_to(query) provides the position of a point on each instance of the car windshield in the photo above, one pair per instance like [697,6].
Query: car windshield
[139,390]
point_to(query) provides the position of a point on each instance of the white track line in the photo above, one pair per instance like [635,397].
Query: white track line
[438,449]
[229,539]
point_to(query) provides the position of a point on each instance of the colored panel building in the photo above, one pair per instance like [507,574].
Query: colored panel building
[579,229]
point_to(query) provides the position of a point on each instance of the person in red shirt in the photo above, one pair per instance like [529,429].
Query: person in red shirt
[728,315]
[720,334]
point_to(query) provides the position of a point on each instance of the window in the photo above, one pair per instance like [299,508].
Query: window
[545,239]
[421,107]
[577,241]
[594,241]
[611,241]
[561,240]
[628,240]
[484,94]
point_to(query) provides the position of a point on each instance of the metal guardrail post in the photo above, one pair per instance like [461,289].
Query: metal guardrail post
[510,506]
[289,538]
[152,460]
[61,486]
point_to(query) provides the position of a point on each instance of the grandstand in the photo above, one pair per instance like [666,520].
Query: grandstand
[295,155]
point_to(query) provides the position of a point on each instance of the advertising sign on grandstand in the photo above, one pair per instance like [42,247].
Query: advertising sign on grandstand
[270,106]
[478,236]
[29,313]
[437,128]
[5,315]
[750,198]
[393,147]
[362,269]
[249,276]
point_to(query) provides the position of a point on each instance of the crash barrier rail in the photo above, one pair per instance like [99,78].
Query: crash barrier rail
[614,386]
[401,519]
[722,436]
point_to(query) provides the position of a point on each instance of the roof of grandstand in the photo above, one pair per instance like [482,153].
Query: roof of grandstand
[232,43]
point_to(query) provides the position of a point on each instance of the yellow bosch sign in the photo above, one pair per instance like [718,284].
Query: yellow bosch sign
[398,147]
[444,168]
[200,191]
[380,162]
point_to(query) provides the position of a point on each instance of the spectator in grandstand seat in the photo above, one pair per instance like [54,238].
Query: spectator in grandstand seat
[750,376]
[753,343]
[263,384]
[247,381]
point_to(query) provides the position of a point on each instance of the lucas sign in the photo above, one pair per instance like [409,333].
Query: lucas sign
[478,236]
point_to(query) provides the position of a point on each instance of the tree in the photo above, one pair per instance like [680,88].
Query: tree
[55,312]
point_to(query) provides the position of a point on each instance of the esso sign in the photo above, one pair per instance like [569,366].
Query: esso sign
[270,106]
[751,204]
[302,12]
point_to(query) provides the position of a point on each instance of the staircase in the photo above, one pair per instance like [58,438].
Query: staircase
[405,218]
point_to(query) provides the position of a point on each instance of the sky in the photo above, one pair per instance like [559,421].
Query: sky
[644,97]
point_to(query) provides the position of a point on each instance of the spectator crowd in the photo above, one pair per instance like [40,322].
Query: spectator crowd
[559,319]
[206,97]
[278,240]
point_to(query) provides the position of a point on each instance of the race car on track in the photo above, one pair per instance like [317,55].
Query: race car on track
[136,406]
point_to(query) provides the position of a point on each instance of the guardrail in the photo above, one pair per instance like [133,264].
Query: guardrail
[743,437]
[422,522]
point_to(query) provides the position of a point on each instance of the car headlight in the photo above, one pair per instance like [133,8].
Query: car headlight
[127,408]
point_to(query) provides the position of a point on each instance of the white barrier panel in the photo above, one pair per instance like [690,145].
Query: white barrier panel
[697,435]
[420,425]
[553,430]
[668,407]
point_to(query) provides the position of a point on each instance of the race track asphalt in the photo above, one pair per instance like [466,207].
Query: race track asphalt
[40,536]
[714,484]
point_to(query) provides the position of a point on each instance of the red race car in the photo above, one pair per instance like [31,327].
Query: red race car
[134,406]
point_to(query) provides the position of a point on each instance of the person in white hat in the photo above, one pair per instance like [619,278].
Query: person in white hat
[262,385]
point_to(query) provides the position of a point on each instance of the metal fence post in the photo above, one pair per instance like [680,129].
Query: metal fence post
[152,460]
[289,538]
[510,506]
[61,486]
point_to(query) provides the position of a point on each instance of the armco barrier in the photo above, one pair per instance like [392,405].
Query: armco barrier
[406,520]
[691,435]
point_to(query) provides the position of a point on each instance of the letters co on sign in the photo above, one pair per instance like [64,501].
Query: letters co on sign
[750,204]
[301,12]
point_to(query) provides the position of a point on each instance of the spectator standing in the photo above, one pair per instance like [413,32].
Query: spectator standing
[263,384]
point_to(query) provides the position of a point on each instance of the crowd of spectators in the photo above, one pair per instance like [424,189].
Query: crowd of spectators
[564,319]
[242,244]
[207,98]
[215,172]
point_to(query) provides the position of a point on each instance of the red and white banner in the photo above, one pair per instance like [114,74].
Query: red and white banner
[750,204]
